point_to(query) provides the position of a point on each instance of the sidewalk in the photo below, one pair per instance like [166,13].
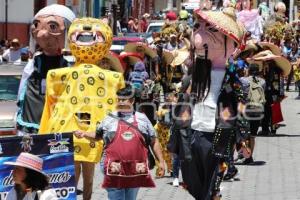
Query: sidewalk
[275,175]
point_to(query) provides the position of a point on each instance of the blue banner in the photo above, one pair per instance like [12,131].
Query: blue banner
[56,150]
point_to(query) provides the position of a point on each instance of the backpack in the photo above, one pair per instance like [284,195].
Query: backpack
[256,98]
[137,82]
[256,93]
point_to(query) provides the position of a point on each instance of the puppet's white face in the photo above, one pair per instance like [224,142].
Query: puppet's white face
[218,52]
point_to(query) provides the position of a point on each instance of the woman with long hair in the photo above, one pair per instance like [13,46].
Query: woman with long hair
[30,182]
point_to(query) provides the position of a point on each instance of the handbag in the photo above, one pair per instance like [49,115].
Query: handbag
[173,143]
[147,138]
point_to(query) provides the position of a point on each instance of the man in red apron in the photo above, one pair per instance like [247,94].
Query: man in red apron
[126,135]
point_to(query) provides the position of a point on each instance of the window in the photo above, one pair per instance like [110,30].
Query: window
[174,3]
[9,87]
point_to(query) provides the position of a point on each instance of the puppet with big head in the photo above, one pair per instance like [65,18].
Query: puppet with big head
[215,92]
[79,97]
[48,31]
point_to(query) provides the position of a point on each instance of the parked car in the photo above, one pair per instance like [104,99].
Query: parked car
[10,76]
[155,26]
[119,42]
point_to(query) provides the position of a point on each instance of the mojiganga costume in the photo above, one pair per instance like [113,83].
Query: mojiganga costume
[80,96]
[48,31]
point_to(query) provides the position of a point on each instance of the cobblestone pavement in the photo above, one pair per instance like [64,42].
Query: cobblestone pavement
[274,176]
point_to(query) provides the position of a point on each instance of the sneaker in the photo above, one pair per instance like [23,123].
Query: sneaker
[231,173]
[239,156]
[248,161]
[175,182]
[264,133]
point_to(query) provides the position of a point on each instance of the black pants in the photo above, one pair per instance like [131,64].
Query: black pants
[200,173]
[289,80]
[254,125]
[267,120]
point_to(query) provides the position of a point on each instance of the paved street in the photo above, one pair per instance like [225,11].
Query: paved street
[275,175]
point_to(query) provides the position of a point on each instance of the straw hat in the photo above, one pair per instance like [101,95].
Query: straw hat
[267,55]
[187,44]
[274,48]
[16,41]
[250,45]
[29,161]
[168,56]
[146,15]
[180,55]
[132,56]
[225,21]
[132,47]
[156,40]
[115,61]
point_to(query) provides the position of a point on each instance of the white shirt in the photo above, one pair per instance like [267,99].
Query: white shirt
[11,55]
[204,113]
[49,194]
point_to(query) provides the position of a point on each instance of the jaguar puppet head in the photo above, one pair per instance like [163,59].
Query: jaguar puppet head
[90,40]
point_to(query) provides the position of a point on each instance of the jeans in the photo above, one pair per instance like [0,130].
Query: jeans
[122,194]
[176,165]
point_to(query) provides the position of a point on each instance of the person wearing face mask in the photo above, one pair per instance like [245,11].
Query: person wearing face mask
[48,31]
[126,134]
[205,121]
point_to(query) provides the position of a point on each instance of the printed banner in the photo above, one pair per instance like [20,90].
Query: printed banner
[56,150]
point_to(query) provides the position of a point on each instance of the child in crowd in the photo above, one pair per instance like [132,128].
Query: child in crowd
[138,77]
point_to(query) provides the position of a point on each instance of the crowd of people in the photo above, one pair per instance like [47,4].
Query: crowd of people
[12,52]
[195,96]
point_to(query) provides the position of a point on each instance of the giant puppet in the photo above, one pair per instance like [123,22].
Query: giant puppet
[48,30]
[207,136]
[79,97]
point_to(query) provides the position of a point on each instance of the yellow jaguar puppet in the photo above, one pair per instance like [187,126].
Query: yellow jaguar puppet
[79,97]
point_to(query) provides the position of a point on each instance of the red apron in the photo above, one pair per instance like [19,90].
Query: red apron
[126,161]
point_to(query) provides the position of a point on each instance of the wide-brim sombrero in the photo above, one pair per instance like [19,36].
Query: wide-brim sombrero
[168,56]
[250,46]
[131,47]
[180,55]
[267,55]
[132,57]
[187,44]
[157,40]
[274,48]
[115,61]
[225,21]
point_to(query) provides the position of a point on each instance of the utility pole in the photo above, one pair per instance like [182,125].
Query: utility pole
[6,20]
[114,15]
